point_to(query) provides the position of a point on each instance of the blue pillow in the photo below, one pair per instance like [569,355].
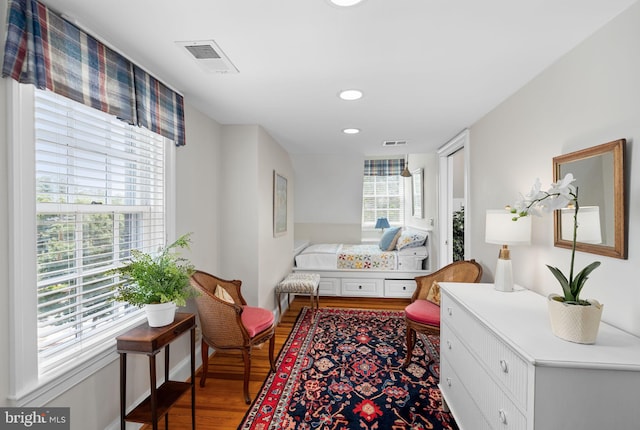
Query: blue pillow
[389,238]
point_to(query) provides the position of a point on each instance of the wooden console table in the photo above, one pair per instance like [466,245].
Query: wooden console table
[150,340]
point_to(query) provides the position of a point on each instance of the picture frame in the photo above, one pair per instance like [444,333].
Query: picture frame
[279,204]
[417,193]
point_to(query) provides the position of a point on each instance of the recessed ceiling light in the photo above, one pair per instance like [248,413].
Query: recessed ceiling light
[351,130]
[345,3]
[350,94]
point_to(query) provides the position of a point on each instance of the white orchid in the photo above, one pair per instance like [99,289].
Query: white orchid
[561,194]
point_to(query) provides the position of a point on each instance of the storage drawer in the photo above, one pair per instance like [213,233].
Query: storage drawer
[399,287]
[502,362]
[329,287]
[362,287]
[496,404]
[465,412]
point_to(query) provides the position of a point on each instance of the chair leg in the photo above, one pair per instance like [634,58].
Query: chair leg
[246,355]
[205,362]
[272,343]
[411,340]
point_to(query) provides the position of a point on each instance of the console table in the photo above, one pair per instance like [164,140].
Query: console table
[149,341]
[502,368]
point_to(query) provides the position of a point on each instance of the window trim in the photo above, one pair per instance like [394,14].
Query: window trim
[25,385]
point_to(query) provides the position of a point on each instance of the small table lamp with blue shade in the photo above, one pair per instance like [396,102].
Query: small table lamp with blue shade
[382,223]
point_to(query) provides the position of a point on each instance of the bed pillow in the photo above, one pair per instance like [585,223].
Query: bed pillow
[389,238]
[411,239]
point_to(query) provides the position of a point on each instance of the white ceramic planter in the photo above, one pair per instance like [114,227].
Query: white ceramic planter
[575,323]
[161,314]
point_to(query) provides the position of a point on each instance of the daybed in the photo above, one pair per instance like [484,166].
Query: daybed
[384,269]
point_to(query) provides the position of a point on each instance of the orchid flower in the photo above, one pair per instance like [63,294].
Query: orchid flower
[561,194]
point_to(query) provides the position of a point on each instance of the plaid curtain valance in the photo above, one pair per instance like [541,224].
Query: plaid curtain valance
[383,167]
[49,52]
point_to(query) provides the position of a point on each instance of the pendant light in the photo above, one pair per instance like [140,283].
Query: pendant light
[405,173]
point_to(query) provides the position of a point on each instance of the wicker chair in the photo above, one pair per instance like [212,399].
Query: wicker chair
[228,323]
[423,315]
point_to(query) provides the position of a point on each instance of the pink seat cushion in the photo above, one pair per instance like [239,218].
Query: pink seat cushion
[423,312]
[256,320]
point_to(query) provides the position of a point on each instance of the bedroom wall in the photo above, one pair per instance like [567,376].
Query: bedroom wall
[249,251]
[588,97]
[328,197]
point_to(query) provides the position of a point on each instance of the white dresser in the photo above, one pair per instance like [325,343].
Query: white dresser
[502,368]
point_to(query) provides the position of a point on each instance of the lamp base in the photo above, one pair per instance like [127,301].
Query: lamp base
[504,276]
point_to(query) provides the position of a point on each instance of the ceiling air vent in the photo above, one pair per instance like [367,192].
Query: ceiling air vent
[208,55]
[394,142]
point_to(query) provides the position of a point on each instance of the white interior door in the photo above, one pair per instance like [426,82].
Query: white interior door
[454,176]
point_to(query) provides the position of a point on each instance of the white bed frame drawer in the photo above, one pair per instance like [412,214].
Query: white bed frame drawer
[399,287]
[362,287]
[329,287]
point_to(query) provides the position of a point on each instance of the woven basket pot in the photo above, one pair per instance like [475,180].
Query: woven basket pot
[161,314]
[575,323]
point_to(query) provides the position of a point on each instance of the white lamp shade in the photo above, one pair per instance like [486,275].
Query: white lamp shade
[589,230]
[501,229]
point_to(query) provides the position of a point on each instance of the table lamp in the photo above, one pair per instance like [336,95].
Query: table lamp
[589,230]
[382,223]
[500,229]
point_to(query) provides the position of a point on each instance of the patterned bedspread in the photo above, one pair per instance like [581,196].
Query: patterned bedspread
[366,257]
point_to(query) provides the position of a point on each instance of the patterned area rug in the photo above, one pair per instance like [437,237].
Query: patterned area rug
[342,369]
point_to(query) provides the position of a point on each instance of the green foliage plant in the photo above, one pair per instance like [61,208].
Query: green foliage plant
[156,279]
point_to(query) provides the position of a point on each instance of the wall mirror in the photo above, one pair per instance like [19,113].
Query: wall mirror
[417,192]
[599,174]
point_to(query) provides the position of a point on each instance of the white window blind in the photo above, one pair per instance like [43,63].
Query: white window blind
[100,192]
[382,196]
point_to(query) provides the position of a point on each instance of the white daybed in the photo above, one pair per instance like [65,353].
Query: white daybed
[366,270]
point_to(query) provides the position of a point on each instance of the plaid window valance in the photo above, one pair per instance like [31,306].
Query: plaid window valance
[383,167]
[49,52]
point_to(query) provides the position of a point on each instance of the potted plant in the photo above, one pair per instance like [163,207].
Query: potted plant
[158,283]
[572,318]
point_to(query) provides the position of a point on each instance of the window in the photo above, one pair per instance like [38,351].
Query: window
[382,196]
[99,189]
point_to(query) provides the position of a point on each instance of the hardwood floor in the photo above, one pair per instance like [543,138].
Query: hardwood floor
[220,404]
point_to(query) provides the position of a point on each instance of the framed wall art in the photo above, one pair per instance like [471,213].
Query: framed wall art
[279,204]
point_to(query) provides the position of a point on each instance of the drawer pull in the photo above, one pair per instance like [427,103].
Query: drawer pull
[503,416]
[449,382]
[359,287]
[404,288]
[450,311]
[449,344]
[504,366]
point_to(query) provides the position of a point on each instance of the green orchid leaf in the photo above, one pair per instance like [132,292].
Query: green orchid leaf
[581,278]
[564,283]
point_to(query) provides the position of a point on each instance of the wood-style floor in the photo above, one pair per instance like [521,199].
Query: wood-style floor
[220,404]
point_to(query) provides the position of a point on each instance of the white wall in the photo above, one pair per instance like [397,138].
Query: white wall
[589,97]
[249,251]
[276,253]
[328,197]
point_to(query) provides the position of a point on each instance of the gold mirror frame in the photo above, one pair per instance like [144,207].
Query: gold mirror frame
[617,226]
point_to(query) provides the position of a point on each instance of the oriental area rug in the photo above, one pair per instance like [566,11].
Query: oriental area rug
[342,369]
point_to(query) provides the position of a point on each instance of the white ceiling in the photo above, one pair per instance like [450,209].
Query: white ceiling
[428,68]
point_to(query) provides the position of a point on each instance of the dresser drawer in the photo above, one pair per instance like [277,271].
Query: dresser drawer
[362,287]
[457,399]
[399,287]
[499,410]
[502,362]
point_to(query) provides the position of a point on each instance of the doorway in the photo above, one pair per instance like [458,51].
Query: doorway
[453,199]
